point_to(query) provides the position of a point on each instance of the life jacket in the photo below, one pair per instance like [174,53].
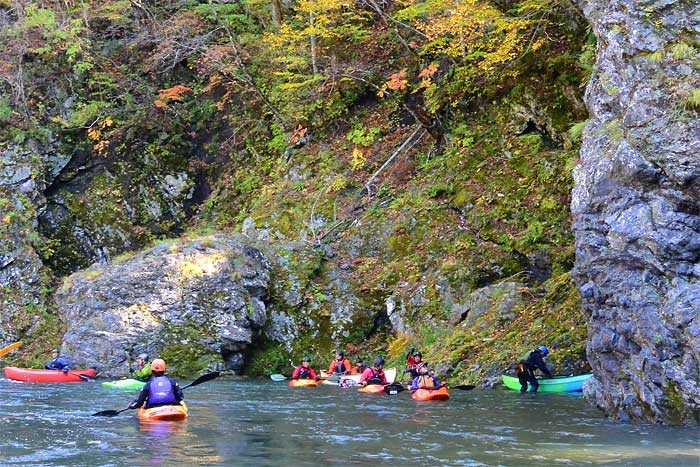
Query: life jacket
[426,382]
[340,367]
[304,373]
[376,377]
[160,392]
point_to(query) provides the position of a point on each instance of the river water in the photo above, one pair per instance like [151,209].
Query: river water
[259,422]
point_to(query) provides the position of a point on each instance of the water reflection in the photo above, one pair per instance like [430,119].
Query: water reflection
[239,422]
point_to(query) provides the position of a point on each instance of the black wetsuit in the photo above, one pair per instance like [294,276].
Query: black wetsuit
[526,370]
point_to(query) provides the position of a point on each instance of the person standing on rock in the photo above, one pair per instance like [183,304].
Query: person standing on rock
[532,361]
[143,368]
[160,390]
[340,365]
[304,371]
[57,362]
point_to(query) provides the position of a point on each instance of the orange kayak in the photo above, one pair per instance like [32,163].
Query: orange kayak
[164,412]
[373,389]
[439,394]
[303,383]
[47,376]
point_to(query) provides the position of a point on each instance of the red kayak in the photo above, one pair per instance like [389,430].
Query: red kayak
[439,394]
[372,389]
[48,376]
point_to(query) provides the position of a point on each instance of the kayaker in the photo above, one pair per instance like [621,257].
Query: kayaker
[160,390]
[57,362]
[425,380]
[375,374]
[143,368]
[340,365]
[414,362]
[304,371]
[526,368]
[359,367]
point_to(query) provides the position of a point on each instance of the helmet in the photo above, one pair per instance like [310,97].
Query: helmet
[306,359]
[418,354]
[543,349]
[143,356]
[341,353]
[359,360]
[158,364]
[379,361]
[55,350]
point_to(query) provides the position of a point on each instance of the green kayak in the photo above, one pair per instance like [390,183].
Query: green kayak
[556,384]
[124,384]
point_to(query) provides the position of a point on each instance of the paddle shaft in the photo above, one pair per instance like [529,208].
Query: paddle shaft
[5,350]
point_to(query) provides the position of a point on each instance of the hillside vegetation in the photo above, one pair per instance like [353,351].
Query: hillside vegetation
[416,155]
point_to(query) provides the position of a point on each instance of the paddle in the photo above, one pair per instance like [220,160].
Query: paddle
[277,377]
[464,387]
[395,387]
[202,379]
[5,350]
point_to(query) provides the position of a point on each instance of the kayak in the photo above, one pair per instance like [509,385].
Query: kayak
[557,384]
[124,384]
[439,394]
[372,389]
[47,376]
[303,383]
[390,374]
[164,412]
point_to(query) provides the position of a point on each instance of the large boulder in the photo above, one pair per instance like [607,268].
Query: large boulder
[636,208]
[197,303]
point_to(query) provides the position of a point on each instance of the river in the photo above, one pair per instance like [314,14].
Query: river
[243,422]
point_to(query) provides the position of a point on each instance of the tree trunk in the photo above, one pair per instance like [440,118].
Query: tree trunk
[277,12]
[314,63]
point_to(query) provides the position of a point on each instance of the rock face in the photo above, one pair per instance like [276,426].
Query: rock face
[22,274]
[193,302]
[636,207]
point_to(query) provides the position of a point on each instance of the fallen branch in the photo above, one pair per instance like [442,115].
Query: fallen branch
[393,156]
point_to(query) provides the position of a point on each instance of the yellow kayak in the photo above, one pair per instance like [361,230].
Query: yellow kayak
[303,383]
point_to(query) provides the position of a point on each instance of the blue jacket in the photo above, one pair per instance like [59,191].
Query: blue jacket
[418,380]
[58,363]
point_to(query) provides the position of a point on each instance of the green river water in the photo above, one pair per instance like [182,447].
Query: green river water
[259,422]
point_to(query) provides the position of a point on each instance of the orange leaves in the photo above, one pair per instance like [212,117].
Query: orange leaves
[171,94]
[428,71]
[298,134]
[397,81]
[97,134]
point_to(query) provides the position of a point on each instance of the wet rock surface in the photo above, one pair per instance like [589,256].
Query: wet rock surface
[636,209]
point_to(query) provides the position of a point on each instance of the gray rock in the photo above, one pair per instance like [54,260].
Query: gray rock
[201,300]
[636,212]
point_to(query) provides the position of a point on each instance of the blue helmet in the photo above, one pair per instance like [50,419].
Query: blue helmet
[379,361]
[306,359]
[543,349]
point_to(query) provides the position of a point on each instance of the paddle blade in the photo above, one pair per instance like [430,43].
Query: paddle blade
[464,387]
[277,377]
[5,350]
[107,413]
[83,377]
[203,379]
[393,389]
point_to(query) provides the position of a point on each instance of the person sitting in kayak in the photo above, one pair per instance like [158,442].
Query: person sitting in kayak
[414,362]
[375,374]
[304,371]
[526,368]
[425,380]
[143,368]
[359,367]
[160,390]
[57,362]
[340,365]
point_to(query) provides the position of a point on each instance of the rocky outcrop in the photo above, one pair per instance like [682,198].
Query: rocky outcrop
[22,275]
[636,207]
[197,303]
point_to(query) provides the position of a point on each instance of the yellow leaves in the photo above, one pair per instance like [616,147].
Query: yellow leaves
[7,219]
[358,159]
[171,94]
